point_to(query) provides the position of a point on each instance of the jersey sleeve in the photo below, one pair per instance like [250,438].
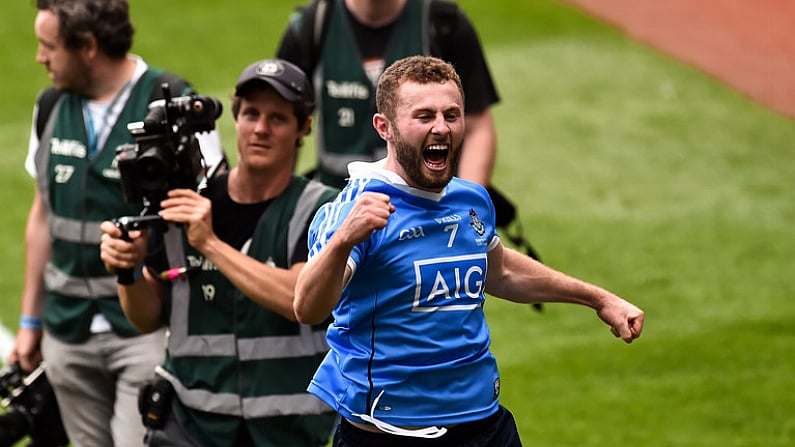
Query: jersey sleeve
[489,216]
[301,249]
[325,223]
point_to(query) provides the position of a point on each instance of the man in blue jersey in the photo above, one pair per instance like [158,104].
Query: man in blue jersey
[404,257]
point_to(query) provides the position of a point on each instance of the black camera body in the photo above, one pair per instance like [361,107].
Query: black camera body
[166,154]
[32,409]
[130,223]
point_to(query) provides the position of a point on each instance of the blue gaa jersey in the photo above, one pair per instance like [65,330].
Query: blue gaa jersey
[410,326]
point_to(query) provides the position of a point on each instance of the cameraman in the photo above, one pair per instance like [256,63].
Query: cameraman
[96,360]
[223,280]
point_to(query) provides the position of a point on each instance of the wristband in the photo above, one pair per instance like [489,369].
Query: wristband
[127,277]
[138,272]
[29,322]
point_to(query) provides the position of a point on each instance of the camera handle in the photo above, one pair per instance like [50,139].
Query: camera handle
[125,277]
[126,224]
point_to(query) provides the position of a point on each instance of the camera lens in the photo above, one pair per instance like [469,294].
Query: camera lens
[153,169]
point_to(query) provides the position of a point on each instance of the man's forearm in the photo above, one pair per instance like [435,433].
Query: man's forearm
[269,286]
[37,253]
[479,152]
[320,284]
[142,303]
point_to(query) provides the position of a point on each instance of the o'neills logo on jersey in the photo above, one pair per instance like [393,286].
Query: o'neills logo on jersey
[449,283]
[347,90]
[448,219]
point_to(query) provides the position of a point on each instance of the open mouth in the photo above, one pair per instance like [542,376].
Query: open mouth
[435,156]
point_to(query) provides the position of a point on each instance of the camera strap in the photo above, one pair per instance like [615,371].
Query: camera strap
[99,118]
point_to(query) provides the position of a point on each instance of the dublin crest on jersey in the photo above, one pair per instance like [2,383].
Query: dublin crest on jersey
[476,223]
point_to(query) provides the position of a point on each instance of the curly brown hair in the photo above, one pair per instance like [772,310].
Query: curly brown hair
[420,69]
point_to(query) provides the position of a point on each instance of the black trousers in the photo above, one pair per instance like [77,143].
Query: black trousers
[497,430]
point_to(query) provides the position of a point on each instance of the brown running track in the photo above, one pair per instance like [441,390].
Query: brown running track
[747,44]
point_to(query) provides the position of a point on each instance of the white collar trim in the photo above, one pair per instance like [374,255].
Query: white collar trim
[376,170]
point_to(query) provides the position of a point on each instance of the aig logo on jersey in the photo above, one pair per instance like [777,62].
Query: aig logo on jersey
[449,283]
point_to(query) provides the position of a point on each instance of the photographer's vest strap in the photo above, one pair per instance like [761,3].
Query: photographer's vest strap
[47,101]
[248,407]
[314,193]
[198,350]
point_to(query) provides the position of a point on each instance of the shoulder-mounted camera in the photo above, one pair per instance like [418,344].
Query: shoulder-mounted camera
[166,154]
[31,409]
